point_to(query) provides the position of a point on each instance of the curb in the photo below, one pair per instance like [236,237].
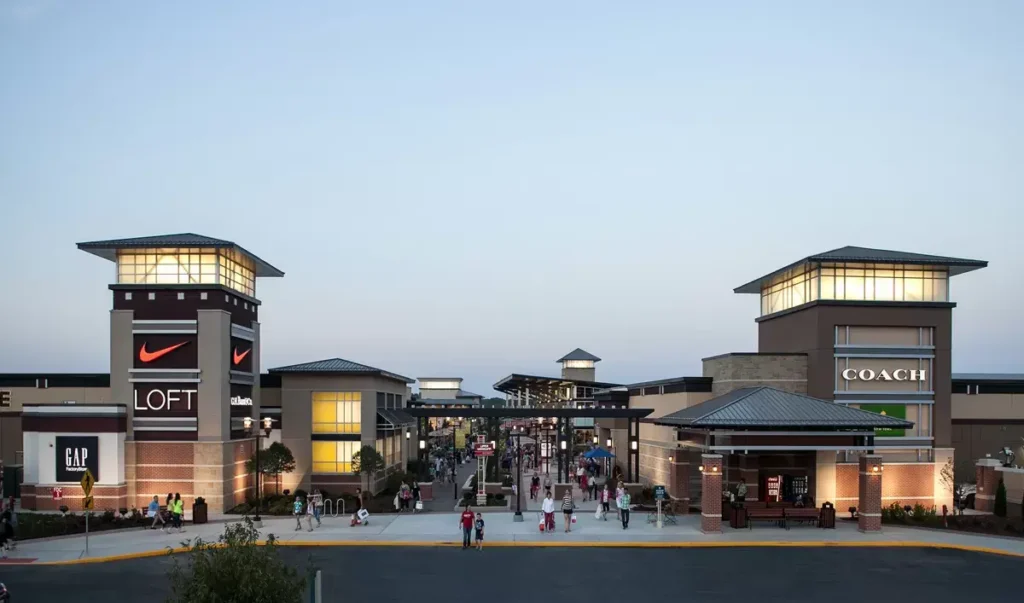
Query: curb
[623,545]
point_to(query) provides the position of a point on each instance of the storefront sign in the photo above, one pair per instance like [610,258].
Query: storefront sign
[884,375]
[159,399]
[75,454]
[241,401]
[5,398]
[774,485]
[897,411]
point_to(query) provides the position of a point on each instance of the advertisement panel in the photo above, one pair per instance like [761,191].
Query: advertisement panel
[898,411]
[241,355]
[75,454]
[166,351]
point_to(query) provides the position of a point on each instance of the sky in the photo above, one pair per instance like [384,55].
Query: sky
[476,188]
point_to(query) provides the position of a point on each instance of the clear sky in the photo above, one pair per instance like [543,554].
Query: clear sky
[476,188]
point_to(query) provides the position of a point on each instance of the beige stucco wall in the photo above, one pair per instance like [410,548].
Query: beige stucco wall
[988,406]
[787,372]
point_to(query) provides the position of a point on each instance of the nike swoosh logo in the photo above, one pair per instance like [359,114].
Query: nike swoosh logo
[147,356]
[238,358]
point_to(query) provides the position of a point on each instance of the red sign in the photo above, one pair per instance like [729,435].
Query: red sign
[58,493]
[774,485]
[484,450]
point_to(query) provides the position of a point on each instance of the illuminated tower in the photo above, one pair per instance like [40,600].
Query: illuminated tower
[579,365]
[185,359]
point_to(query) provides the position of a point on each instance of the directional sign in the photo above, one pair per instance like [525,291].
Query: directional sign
[88,503]
[659,493]
[87,481]
[484,450]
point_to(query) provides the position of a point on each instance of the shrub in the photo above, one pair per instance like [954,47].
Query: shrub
[919,512]
[1000,507]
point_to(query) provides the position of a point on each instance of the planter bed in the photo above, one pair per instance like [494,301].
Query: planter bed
[47,525]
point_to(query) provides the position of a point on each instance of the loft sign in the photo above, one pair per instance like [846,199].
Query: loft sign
[884,375]
[166,399]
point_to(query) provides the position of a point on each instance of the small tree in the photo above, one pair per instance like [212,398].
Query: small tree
[1000,508]
[367,462]
[236,568]
[947,478]
[275,460]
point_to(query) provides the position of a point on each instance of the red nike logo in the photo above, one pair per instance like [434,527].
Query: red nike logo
[147,356]
[238,358]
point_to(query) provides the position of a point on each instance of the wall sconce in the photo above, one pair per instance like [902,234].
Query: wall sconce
[423,444]
[408,434]
[714,469]
[595,440]
[701,468]
[875,468]
[562,444]
[671,459]
[608,442]
[633,445]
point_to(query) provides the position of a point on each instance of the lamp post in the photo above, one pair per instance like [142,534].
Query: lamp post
[519,475]
[248,423]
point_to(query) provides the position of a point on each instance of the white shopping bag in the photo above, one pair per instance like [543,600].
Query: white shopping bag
[362,514]
[597,513]
[573,518]
[419,505]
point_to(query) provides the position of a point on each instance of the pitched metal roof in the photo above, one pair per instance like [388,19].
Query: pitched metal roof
[770,407]
[339,366]
[394,417]
[464,394]
[988,376]
[108,249]
[518,381]
[868,255]
[579,354]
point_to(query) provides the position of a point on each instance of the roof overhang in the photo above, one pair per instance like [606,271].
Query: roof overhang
[518,381]
[532,413]
[108,249]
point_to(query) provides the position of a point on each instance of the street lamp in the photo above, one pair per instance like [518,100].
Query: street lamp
[519,475]
[248,424]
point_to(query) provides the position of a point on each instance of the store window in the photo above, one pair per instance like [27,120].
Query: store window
[337,412]
[186,266]
[333,457]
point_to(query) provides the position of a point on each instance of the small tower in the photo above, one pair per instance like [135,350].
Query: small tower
[579,365]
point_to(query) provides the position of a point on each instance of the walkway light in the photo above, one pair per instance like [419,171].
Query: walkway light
[407,434]
[608,443]
[595,440]
[562,444]
[423,444]
[632,445]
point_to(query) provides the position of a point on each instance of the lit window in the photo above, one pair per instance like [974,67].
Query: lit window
[186,266]
[333,457]
[337,412]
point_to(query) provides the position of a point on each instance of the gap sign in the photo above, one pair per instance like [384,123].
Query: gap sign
[74,455]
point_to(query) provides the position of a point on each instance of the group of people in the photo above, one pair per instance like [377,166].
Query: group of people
[621,497]
[472,525]
[170,516]
[407,496]
[311,510]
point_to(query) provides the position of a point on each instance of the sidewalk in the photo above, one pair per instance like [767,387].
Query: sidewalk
[441,529]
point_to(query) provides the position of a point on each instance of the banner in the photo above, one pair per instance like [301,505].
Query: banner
[897,411]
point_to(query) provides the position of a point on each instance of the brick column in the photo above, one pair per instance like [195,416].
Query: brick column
[679,482]
[987,482]
[711,494]
[749,470]
[869,507]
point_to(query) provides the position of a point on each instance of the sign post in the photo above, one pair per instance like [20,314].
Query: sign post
[659,494]
[483,450]
[87,503]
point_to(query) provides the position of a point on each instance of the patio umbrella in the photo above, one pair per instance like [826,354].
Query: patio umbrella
[598,453]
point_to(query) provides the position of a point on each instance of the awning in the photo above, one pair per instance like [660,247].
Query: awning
[393,419]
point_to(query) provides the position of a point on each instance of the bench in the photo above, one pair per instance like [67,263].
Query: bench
[803,515]
[776,516]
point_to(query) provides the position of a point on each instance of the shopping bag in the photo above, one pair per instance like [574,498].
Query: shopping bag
[419,505]
[541,524]
[362,514]
[597,513]
[573,518]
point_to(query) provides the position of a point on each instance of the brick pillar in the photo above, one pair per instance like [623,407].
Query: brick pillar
[711,494]
[679,482]
[987,482]
[869,507]
[749,470]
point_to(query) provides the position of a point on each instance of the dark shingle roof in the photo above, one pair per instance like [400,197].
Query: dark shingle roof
[770,407]
[579,354]
[108,249]
[867,255]
[338,366]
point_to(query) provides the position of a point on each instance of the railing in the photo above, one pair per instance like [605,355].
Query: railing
[331,508]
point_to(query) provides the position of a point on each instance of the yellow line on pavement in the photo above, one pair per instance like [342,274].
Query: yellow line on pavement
[558,544]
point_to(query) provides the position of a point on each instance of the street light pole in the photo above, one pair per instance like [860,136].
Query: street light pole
[247,423]
[519,476]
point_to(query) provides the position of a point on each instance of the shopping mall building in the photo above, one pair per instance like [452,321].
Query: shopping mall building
[854,359]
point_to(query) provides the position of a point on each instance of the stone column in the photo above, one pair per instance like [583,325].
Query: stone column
[679,481]
[987,482]
[711,494]
[869,507]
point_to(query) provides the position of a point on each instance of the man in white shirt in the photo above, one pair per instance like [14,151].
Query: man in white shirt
[549,513]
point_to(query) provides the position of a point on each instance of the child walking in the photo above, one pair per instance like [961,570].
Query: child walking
[479,525]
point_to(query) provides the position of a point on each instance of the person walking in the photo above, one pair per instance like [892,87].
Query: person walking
[178,511]
[466,521]
[154,511]
[297,512]
[548,507]
[618,500]
[585,486]
[415,495]
[547,483]
[310,512]
[567,507]
[624,502]
[592,481]
[606,498]
[479,529]
[318,506]
[534,486]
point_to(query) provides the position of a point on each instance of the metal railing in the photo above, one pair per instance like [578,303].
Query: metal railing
[332,507]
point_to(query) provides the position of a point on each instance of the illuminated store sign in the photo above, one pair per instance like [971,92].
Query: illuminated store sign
[166,399]
[884,375]
[241,401]
[74,455]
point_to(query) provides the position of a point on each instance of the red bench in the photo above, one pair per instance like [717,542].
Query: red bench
[803,515]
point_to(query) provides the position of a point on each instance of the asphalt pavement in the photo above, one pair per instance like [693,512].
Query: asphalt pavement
[385,574]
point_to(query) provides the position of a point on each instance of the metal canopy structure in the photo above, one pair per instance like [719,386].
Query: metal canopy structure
[537,390]
[562,440]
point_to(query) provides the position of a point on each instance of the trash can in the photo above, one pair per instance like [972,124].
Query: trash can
[738,517]
[827,517]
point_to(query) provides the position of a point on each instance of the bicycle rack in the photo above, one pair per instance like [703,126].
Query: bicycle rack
[332,507]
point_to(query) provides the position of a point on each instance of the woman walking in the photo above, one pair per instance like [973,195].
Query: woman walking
[567,507]
[548,507]
[606,497]
[177,510]
[619,490]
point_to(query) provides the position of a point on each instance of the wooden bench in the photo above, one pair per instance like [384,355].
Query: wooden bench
[776,516]
[803,515]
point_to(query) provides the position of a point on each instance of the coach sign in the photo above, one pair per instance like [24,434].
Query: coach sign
[884,375]
[75,454]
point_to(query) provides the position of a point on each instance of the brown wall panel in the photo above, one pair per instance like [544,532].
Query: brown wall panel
[167,306]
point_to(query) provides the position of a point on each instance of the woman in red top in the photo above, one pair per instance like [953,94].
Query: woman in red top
[466,522]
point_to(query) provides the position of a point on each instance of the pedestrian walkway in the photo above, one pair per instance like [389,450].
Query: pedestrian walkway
[441,529]
[448,495]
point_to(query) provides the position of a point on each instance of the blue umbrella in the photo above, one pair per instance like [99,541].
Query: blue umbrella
[598,453]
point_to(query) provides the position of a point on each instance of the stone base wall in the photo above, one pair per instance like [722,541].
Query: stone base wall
[905,483]
[212,470]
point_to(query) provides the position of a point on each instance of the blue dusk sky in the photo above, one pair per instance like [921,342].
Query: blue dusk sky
[476,188]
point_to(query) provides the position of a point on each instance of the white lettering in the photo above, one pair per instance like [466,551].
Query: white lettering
[164,400]
[240,401]
[884,375]
[75,459]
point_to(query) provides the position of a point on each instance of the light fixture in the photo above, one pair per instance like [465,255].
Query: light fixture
[701,468]
[268,423]
[423,444]
[671,460]
[714,469]
[608,442]
[875,468]
[632,445]
[407,434]
[595,440]
[562,444]
[247,423]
